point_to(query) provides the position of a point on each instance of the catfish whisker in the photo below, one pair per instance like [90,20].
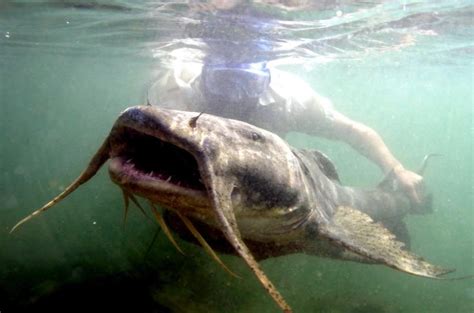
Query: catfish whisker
[165,228]
[126,203]
[204,244]
[134,200]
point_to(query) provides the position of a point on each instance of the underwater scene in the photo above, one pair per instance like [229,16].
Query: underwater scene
[69,68]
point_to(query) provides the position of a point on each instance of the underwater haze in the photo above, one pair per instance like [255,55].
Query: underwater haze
[68,68]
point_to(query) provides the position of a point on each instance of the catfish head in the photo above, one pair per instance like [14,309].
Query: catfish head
[196,164]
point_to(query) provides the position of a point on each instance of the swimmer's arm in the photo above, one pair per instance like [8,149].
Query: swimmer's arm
[368,143]
[363,139]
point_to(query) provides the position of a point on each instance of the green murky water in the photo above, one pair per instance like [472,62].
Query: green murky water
[62,88]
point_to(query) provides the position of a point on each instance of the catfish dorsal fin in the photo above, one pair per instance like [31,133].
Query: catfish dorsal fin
[389,182]
[323,162]
[357,232]
[326,165]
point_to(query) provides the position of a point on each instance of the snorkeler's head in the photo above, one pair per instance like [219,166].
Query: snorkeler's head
[238,44]
[235,84]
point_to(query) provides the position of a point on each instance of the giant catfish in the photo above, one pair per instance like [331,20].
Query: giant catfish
[250,193]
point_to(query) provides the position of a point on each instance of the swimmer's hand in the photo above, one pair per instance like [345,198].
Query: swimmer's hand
[411,183]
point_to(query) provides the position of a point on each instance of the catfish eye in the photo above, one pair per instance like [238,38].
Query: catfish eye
[256,137]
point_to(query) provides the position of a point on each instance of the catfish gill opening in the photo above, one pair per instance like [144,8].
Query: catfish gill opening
[146,157]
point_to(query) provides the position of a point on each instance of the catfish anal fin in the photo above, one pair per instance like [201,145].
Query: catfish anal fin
[357,232]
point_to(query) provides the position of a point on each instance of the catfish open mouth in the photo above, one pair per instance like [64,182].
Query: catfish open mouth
[138,158]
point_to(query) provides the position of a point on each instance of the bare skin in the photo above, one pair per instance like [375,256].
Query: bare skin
[368,143]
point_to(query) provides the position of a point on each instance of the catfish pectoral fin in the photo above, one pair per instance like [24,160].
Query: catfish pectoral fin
[99,158]
[220,197]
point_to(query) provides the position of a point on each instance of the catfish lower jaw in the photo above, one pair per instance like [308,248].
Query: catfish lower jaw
[125,174]
[159,191]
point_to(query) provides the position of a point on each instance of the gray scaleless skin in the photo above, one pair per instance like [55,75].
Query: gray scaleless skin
[251,193]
